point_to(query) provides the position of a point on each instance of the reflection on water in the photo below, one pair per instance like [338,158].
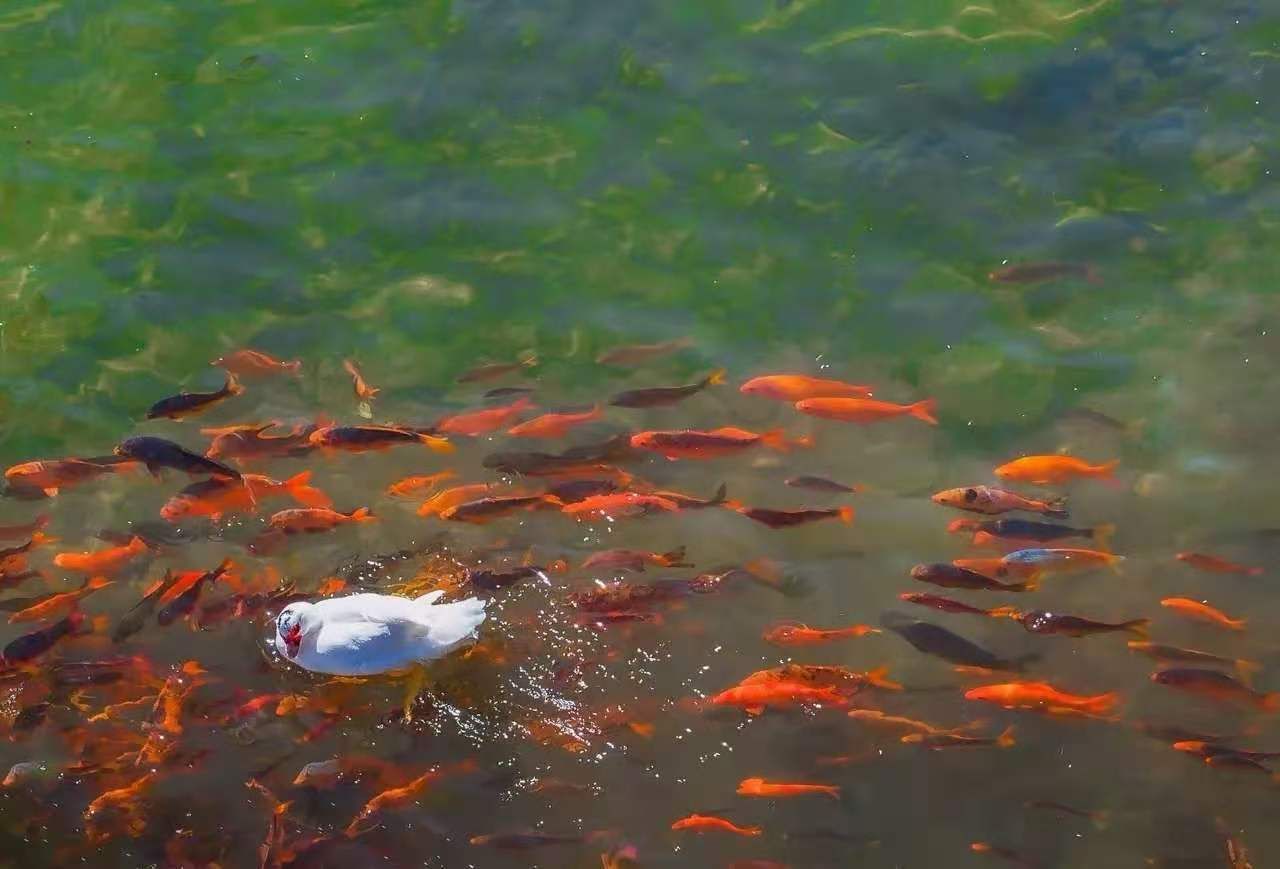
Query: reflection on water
[1052,217]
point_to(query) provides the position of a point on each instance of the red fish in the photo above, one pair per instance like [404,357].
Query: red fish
[633,559]
[478,422]
[243,442]
[754,698]
[1214,564]
[105,561]
[1054,470]
[363,390]
[555,425]
[946,604]
[1040,695]
[58,603]
[803,635]
[758,787]
[702,823]
[413,485]
[24,531]
[218,497]
[1217,685]
[305,520]
[1201,611]
[252,363]
[791,518]
[798,387]
[619,504]
[53,475]
[866,410]
[693,444]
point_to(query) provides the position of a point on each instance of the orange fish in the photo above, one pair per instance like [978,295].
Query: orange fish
[53,475]
[363,390]
[554,425]
[1042,695]
[619,504]
[876,718]
[363,438]
[59,603]
[309,520]
[803,635]
[218,497]
[412,485]
[724,441]
[478,422]
[396,797]
[866,410]
[753,698]
[633,559]
[442,501]
[849,682]
[702,823]
[104,561]
[252,363]
[483,510]
[758,787]
[126,801]
[956,739]
[1053,470]
[1201,611]
[243,442]
[991,502]
[1214,564]
[798,387]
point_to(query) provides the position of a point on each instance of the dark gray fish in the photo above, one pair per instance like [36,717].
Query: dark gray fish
[134,620]
[573,491]
[158,454]
[508,391]
[938,641]
[190,403]
[493,370]
[819,484]
[660,396]
[1096,417]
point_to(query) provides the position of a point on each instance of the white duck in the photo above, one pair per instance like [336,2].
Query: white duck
[370,634]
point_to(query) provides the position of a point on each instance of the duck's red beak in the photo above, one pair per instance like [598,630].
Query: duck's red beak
[293,641]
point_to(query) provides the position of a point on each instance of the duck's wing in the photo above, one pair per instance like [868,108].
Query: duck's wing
[352,639]
[380,608]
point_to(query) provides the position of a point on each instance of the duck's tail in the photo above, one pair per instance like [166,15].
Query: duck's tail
[451,623]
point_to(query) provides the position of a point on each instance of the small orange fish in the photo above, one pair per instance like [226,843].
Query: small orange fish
[555,425]
[1201,611]
[1053,470]
[252,363]
[754,697]
[1041,695]
[105,561]
[478,422]
[124,800]
[702,823]
[724,441]
[798,387]
[633,559]
[866,410]
[59,603]
[956,739]
[308,520]
[1214,564]
[758,787]
[619,504]
[803,635]
[53,475]
[442,501]
[494,370]
[396,797]
[1008,854]
[413,485]
[363,390]
[876,718]
[991,502]
[218,497]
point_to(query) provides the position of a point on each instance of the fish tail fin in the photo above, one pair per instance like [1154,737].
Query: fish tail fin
[294,367]
[1104,703]
[879,677]
[300,489]
[1271,701]
[832,791]
[362,514]
[1106,472]
[673,558]
[1056,507]
[1101,535]
[715,378]
[925,410]
[720,497]
[553,501]
[1115,562]
[804,442]
[435,444]
[1246,669]
[96,583]
[1005,739]
[1137,626]
[233,385]
[776,439]
[845,514]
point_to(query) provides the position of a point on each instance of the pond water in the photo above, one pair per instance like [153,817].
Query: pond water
[1055,218]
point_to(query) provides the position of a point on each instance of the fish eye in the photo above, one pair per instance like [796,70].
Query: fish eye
[970,494]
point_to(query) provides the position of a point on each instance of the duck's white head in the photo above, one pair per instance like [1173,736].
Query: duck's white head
[294,620]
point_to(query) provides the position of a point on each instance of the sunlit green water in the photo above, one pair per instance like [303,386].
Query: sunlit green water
[814,184]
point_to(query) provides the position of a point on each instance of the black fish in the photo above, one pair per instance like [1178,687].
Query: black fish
[496,579]
[31,717]
[36,643]
[188,403]
[818,484]
[1041,622]
[938,641]
[185,602]
[1041,532]
[573,491]
[137,616]
[951,576]
[791,518]
[158,453]
[662,395]
[538,464]
[508,391]
[154,534]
